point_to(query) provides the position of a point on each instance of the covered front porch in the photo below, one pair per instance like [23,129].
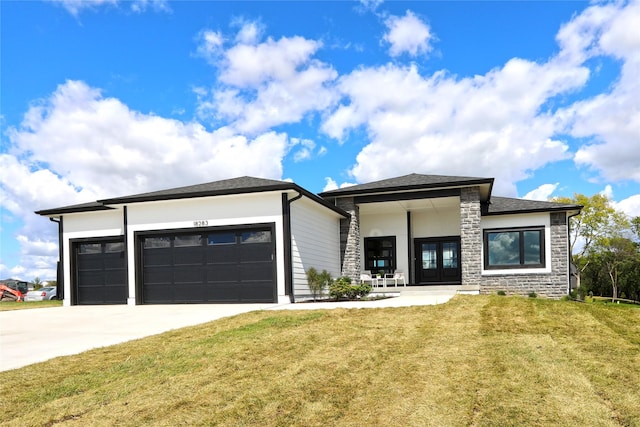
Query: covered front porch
[410,243]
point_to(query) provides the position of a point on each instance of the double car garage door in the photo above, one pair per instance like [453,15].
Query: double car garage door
[212,266]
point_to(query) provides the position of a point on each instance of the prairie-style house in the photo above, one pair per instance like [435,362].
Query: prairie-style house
[252,240]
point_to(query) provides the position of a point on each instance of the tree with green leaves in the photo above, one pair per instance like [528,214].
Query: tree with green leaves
[597,222]
[635,227]
[617,254]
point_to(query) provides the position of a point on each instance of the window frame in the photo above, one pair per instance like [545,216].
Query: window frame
[541,229]
[392,257]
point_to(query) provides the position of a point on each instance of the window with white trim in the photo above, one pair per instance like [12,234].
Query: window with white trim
[508,248]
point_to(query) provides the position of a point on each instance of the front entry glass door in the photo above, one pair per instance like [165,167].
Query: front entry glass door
[437,260]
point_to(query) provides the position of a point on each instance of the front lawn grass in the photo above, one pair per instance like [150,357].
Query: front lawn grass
[22,305]
[477,360]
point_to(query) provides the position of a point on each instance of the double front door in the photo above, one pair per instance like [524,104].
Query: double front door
[437,260]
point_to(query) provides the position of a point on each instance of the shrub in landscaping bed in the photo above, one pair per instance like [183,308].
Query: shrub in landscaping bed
[343,289]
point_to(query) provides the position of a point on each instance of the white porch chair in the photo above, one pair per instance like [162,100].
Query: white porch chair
[398,276]
[367,278]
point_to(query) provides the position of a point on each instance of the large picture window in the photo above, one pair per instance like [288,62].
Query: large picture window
[514,248]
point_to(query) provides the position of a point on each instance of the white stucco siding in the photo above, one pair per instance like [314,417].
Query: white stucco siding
[442,222]
[520,220]
[218,211]
[315,242]
[86,225]
[387,224]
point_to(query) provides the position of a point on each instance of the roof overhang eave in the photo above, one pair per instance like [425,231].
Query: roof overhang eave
[485,185]
[57,212]
[569,210]
[284,187]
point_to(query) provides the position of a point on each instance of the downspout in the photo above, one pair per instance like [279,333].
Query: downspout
[569,251]
[60,266]
[125,224]
[288,255]
[412,260]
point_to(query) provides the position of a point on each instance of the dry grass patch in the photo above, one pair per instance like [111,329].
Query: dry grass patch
[481,360]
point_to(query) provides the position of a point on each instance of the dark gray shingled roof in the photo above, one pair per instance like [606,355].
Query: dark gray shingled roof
[413,181]
[504,205]
[241,185]
[83,207]
[247,184]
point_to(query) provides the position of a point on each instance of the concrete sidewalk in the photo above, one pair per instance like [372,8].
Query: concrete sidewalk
[35,335]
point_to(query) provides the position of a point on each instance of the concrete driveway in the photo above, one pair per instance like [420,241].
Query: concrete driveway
[35,335]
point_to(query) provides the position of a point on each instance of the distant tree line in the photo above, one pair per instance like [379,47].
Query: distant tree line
[605,248]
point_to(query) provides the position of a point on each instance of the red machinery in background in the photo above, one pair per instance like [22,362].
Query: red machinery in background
[8,294]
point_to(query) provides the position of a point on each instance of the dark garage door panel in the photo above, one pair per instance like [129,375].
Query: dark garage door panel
[100,273]
[240,269]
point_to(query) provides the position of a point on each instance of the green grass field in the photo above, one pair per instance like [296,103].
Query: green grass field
[477,360]
[13,305]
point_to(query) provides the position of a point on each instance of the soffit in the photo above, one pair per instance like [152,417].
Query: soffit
[434,204]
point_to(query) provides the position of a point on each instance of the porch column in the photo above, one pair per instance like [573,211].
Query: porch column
[470,237]
[350,239]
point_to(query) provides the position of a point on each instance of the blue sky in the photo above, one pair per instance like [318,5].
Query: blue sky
[106,98]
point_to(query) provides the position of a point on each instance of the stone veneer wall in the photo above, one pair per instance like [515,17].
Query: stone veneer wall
[552,285]
[470,237]
[350,239]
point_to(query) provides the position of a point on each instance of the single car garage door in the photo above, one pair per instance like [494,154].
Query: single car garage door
[219,265]
[100,272]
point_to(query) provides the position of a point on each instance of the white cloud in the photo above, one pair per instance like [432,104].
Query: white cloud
[39,256]
[543,192]
[306,150]
[24,189]
[210,44]
[611,120]
[630,205]
[16,272]
[102,146]
[38,247]
[500,124]
[249,65]
[330,184]
[264,84]
[445,125]
[607,192]
[78,146]
[250,31]
[140,6]
[370,5]
[407,34]
[576,38]
[74,7]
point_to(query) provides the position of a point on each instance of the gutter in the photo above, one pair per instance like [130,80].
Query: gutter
[60,266]
[288,256]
